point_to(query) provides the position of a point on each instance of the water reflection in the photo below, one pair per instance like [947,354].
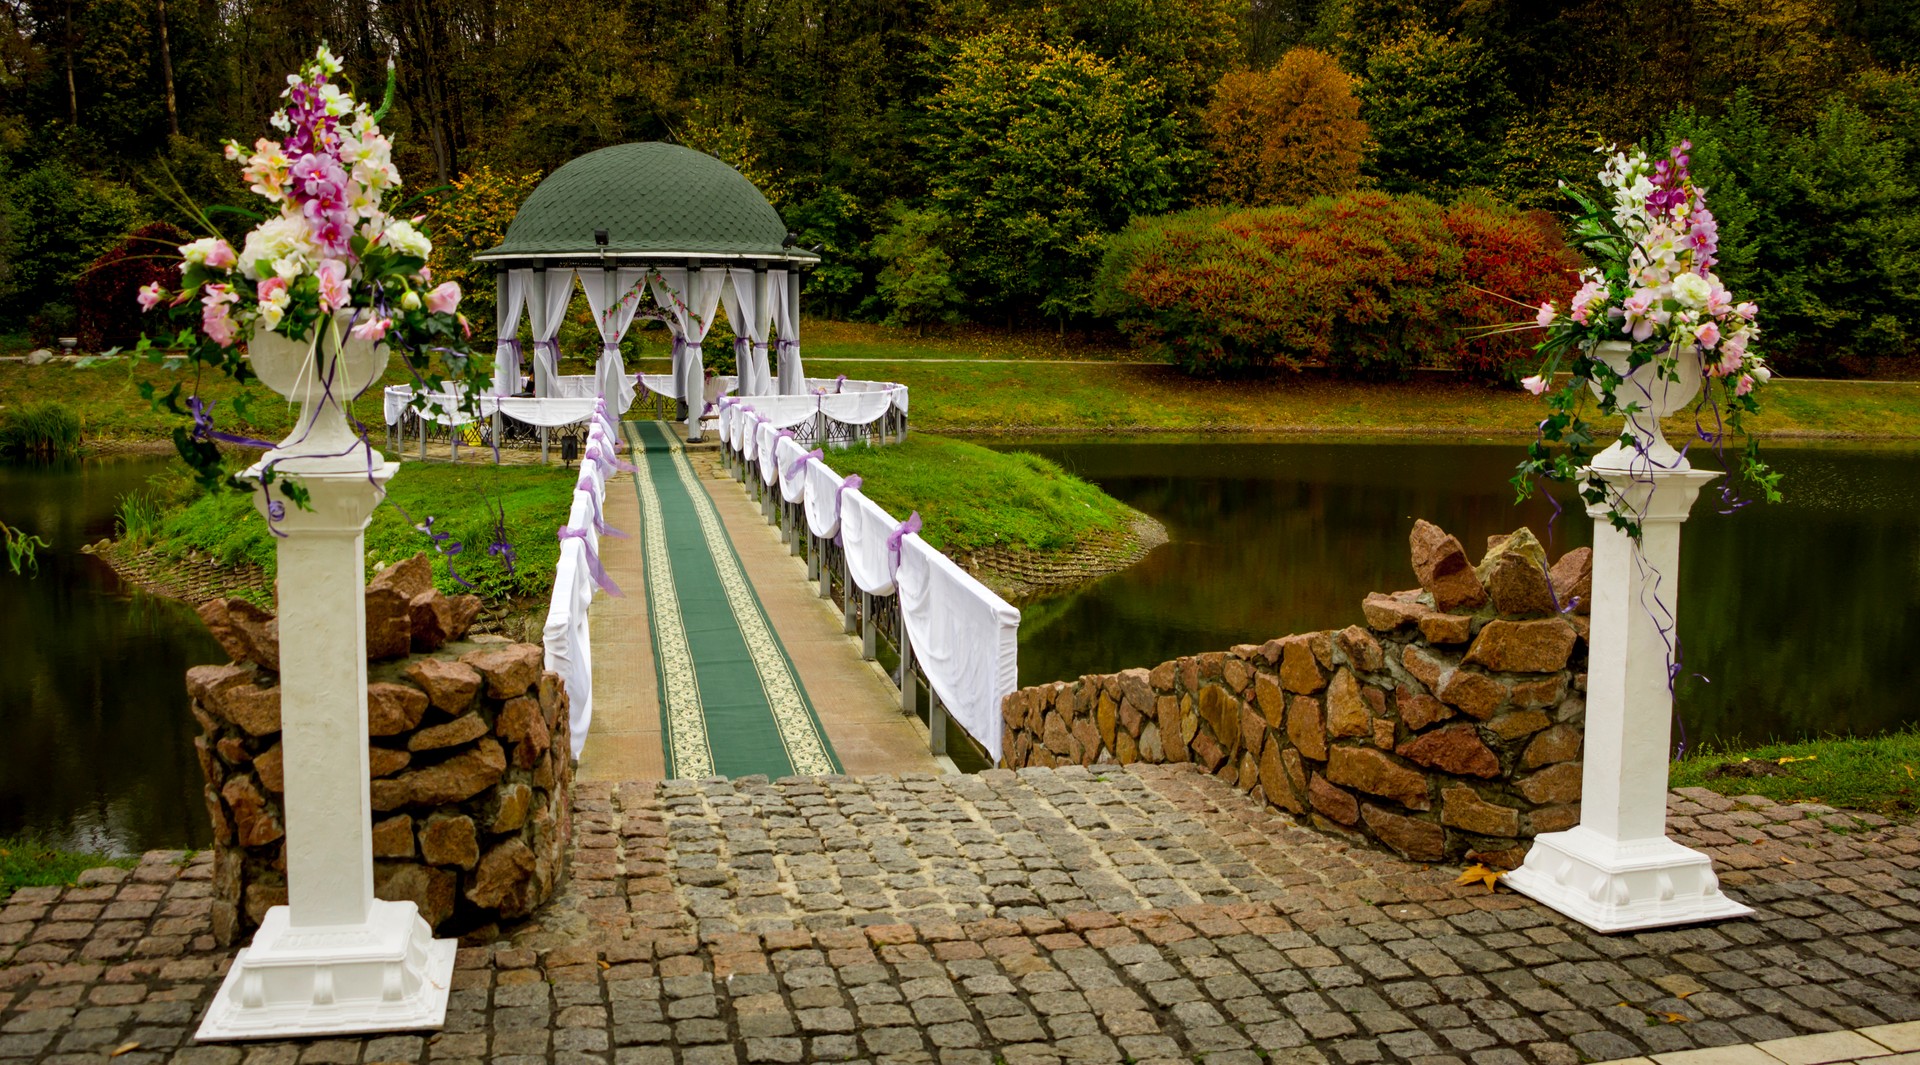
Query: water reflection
[1797,619]
[98,743]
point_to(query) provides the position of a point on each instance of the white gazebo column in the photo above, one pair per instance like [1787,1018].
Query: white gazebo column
[1616,870]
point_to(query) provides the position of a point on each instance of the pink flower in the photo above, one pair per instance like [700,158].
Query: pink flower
[445,298]
[271,287]
[1747,310]
[1745,386]
[215,320]
[220,255]
[1708,334]
[372,329]
[150,295]
[332,275]
[1546,315]
[1729,364]
[1535,384]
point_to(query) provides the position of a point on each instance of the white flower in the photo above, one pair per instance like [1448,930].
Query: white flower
[403,238]
[1692,289]
[1760,372]
[410,301]
[280,246]
[326,60]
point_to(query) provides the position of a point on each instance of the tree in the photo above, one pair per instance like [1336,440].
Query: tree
[1044,151]
[1285,135]
[916,278]
[1438,110]
[470,217]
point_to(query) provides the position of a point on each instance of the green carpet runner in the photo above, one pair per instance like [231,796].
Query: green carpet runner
[730,701]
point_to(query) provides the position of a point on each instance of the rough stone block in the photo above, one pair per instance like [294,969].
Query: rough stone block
[1306,728]
[389,624]
[1337,804]
[1347,711]
[449,840]
[393,708]
[450,686]
[1376,773]
[1456,749]
[1462,807]
[1420,841]
[1441,565]
[1541,646]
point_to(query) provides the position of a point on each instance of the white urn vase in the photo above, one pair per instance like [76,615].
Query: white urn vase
[322,374]
[1654,397]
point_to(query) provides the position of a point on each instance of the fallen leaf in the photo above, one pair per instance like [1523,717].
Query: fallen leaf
[1683,995]
[1803,758]
[605,965]
[1674,1018]
[123,1048]
[1480,874]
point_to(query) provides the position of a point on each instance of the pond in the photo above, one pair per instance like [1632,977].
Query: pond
[1797,620]
[99,741]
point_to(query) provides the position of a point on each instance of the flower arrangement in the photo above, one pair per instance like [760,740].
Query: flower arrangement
[330,249]
[1654,289]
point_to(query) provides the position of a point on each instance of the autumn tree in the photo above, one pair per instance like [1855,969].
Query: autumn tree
[1287,134]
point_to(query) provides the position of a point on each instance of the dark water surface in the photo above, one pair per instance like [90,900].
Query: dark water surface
[96,742]
[1804,617]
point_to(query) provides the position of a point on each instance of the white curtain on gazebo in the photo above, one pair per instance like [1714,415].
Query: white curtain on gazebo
[749,308]
[612,315]
[548,294]
[689,297]
[511,292]
[793,380]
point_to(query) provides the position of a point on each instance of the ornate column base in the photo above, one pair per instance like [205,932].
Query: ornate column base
[1622,886]
[388,975]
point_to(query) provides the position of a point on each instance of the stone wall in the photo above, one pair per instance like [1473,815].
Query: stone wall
[468,754]
[1449,726]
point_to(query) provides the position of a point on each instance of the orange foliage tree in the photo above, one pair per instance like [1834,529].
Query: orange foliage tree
[469,217]
[1285,135]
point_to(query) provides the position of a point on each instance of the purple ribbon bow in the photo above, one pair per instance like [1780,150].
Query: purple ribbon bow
[618,463]
[794,469]
[593,560]
[911,525]
[203,426]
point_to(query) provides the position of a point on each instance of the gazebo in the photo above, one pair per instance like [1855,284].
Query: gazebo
[654,216]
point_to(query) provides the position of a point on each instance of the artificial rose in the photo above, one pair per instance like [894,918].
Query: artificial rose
[445,298]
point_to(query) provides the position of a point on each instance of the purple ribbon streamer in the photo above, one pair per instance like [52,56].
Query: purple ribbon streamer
[839,503]
[794,469]
[203,426]
[618,463]
[599,521]
[593,560]
[839,384]
[911,525]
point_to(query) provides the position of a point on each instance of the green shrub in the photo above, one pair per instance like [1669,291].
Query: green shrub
[1818,226]
[137,518]
[41,429]
[1368,284]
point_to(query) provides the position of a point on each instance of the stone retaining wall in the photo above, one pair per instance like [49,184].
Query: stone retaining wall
[1448,727]
[468,754]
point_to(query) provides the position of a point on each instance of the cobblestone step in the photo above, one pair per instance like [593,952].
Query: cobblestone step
[1146,915]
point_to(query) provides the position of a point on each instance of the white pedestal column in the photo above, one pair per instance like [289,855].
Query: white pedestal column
[1617,871]
[335,960]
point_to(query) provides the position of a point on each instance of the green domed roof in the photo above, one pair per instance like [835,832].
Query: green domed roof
[656,201]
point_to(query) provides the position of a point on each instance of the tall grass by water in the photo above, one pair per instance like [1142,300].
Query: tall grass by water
[137,518]
[42,429]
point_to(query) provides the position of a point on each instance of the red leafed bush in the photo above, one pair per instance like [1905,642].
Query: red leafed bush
[1511,262]
[1367,283]
[109,315]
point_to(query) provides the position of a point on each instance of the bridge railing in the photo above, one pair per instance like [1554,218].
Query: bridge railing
[951,634]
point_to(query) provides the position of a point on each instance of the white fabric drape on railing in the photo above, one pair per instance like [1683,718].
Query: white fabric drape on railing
[548,293]
[566,635]
[511,293]
[823,499]
[612,314]
[767,436]
[965,638]
[793,481]
[444,409]
[864,530]
[857,408]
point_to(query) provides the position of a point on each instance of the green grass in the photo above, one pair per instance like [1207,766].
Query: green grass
[1880,775]
[460,499]
[138,517]
[26,862]
[970,498]
[43,427]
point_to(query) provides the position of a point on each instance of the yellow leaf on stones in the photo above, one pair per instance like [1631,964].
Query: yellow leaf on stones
[124,1048]
[1480,874]
[605,965]
[1674,1018]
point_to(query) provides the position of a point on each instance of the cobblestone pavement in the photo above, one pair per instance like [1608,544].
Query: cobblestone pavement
[1151,915]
